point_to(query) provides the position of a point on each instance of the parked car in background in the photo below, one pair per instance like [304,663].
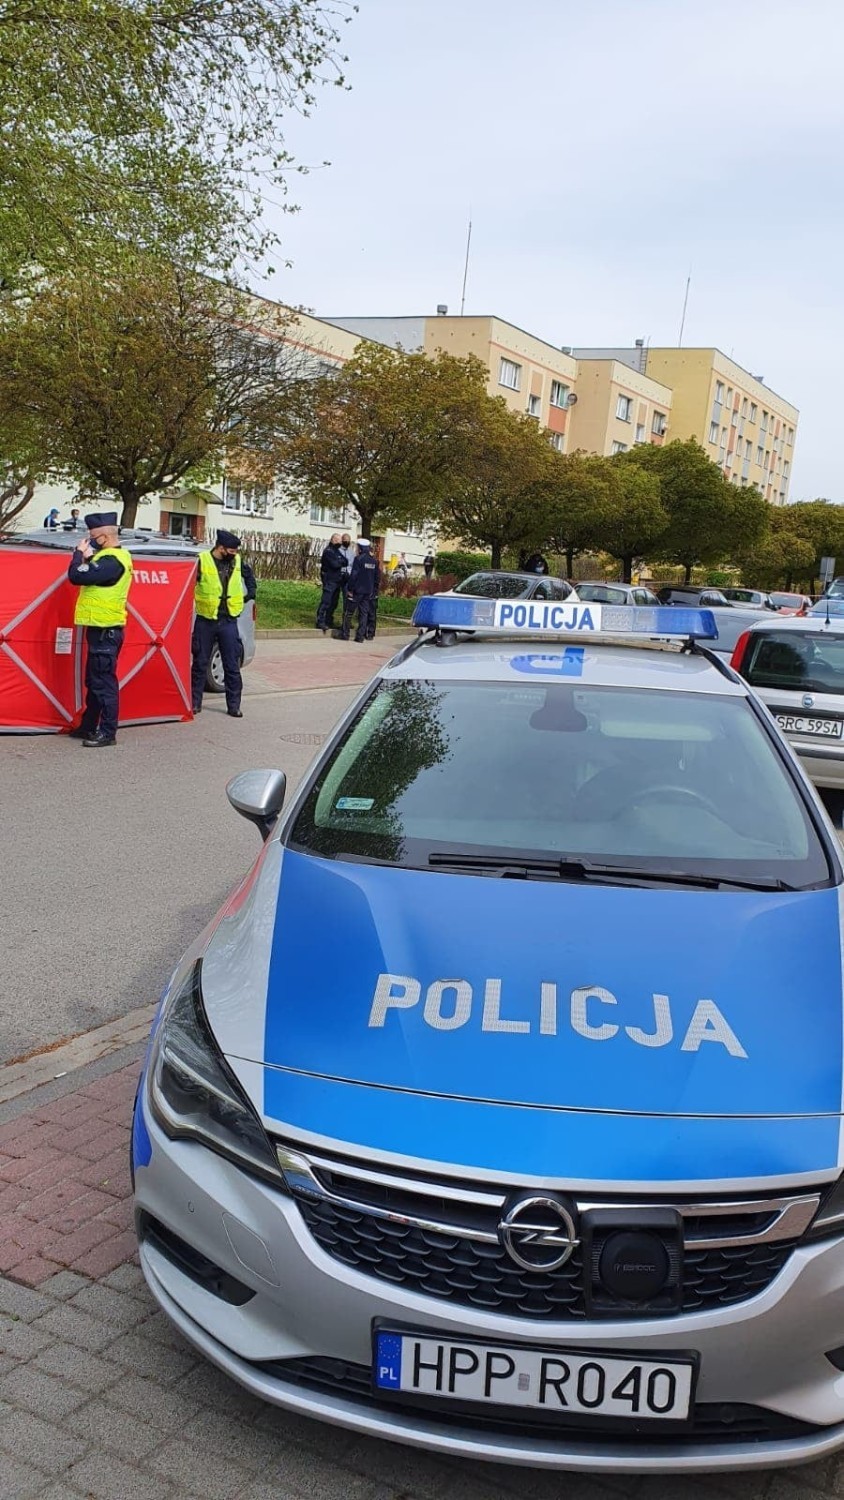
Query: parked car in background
[732,620]
[153,545]
[835,589]
[692,596]
[616,593]
[498,584]
[791,604]
[826,607]
[749,598]
[797,668]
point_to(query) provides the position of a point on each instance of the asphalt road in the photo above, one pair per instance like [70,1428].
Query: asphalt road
[112,863]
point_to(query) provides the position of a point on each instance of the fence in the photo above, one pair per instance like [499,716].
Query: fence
[276,554]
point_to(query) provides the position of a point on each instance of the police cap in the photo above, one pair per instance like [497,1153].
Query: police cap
[227,539]
[103,518]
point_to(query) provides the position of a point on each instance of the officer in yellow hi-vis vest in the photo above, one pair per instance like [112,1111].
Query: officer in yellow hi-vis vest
[102,571]
[223,586]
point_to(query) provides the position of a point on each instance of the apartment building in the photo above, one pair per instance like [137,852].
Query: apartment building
[746,428]
[531,375]
[617,408]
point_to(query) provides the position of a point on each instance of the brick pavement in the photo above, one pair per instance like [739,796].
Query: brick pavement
[101,1398]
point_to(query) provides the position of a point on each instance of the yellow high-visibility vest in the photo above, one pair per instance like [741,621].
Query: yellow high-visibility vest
[209,589]
[99,605]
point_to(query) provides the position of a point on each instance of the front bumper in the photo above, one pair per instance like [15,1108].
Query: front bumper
[768,1353]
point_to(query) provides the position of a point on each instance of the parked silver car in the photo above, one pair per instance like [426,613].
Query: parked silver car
[796,666]
[616,593]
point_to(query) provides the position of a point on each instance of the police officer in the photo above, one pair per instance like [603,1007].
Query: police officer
[102,571]
[361,592]
[333,571]
[223,586]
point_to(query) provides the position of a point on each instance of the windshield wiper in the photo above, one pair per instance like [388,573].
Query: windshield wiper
[518,867]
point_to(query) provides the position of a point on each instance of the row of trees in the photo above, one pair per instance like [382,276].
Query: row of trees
[152,376]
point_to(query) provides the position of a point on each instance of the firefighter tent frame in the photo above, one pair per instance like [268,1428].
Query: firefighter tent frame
[42,653]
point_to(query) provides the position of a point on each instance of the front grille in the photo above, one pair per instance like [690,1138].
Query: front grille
[711,1422]
[484,1276]
[445,1238]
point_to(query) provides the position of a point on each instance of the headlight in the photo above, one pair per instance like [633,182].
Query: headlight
[194,1093]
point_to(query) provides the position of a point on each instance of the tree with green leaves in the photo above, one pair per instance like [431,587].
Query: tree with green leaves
[151,122]
[820,523]
[697,498]
[574,499]
[780,557]
[146,378]
[384,436]
[633,520]
[496,496]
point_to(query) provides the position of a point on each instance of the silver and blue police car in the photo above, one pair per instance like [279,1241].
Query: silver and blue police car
[500,1109]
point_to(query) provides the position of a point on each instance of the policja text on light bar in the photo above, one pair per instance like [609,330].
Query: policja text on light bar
[549,617]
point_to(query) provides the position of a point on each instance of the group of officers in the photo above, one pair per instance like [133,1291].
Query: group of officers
[102,571]
[353,573]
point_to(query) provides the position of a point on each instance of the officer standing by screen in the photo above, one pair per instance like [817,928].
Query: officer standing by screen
[361,593]
[224,584]
[102,571]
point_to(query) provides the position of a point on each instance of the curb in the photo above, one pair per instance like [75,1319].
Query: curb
[111,1045]
[295,634]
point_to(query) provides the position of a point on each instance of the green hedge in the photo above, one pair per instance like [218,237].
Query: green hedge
[461,564]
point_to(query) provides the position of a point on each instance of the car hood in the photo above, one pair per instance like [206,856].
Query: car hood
[609,1032]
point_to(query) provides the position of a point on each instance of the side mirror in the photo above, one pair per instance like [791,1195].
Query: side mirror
[259,797]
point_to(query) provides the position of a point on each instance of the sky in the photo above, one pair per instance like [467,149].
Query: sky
[605,150]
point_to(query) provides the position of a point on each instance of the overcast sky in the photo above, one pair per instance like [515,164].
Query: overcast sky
[606,149]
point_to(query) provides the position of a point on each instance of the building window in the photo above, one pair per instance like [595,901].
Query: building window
[723,437]
[327,515]
[760,454]
[729,395]
[790,437]
[660,423]
[534,405]
[559,393]
[640,432]
[764,423]
[753,411]
[557,440]
[744,407]
[623,408]
[719,391]
[619,447]
[785,469]
[713,432]
[247,499]
[748,448]
[734,419]
[510,374]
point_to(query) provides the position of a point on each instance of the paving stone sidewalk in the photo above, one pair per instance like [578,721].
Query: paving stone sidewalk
[101,1398]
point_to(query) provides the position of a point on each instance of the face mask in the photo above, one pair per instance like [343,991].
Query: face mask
[97,543]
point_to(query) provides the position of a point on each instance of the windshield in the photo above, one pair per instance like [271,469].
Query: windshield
[787,601]
[811,662]
[602,593]
[661,780]
[493,586]
[744,596]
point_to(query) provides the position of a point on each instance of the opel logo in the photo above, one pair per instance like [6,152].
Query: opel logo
[538,1234]
[808,700]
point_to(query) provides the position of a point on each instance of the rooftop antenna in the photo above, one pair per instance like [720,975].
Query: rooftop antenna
[685,305]
[466,265]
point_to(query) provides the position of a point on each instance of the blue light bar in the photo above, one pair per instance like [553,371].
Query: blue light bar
[550,617]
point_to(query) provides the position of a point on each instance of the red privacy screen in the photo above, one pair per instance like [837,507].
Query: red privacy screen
[42,653]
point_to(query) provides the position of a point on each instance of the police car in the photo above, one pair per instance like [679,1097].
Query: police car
[499,1111]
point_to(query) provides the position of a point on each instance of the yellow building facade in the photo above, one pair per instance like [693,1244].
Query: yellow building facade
[743,425]
[617,408]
